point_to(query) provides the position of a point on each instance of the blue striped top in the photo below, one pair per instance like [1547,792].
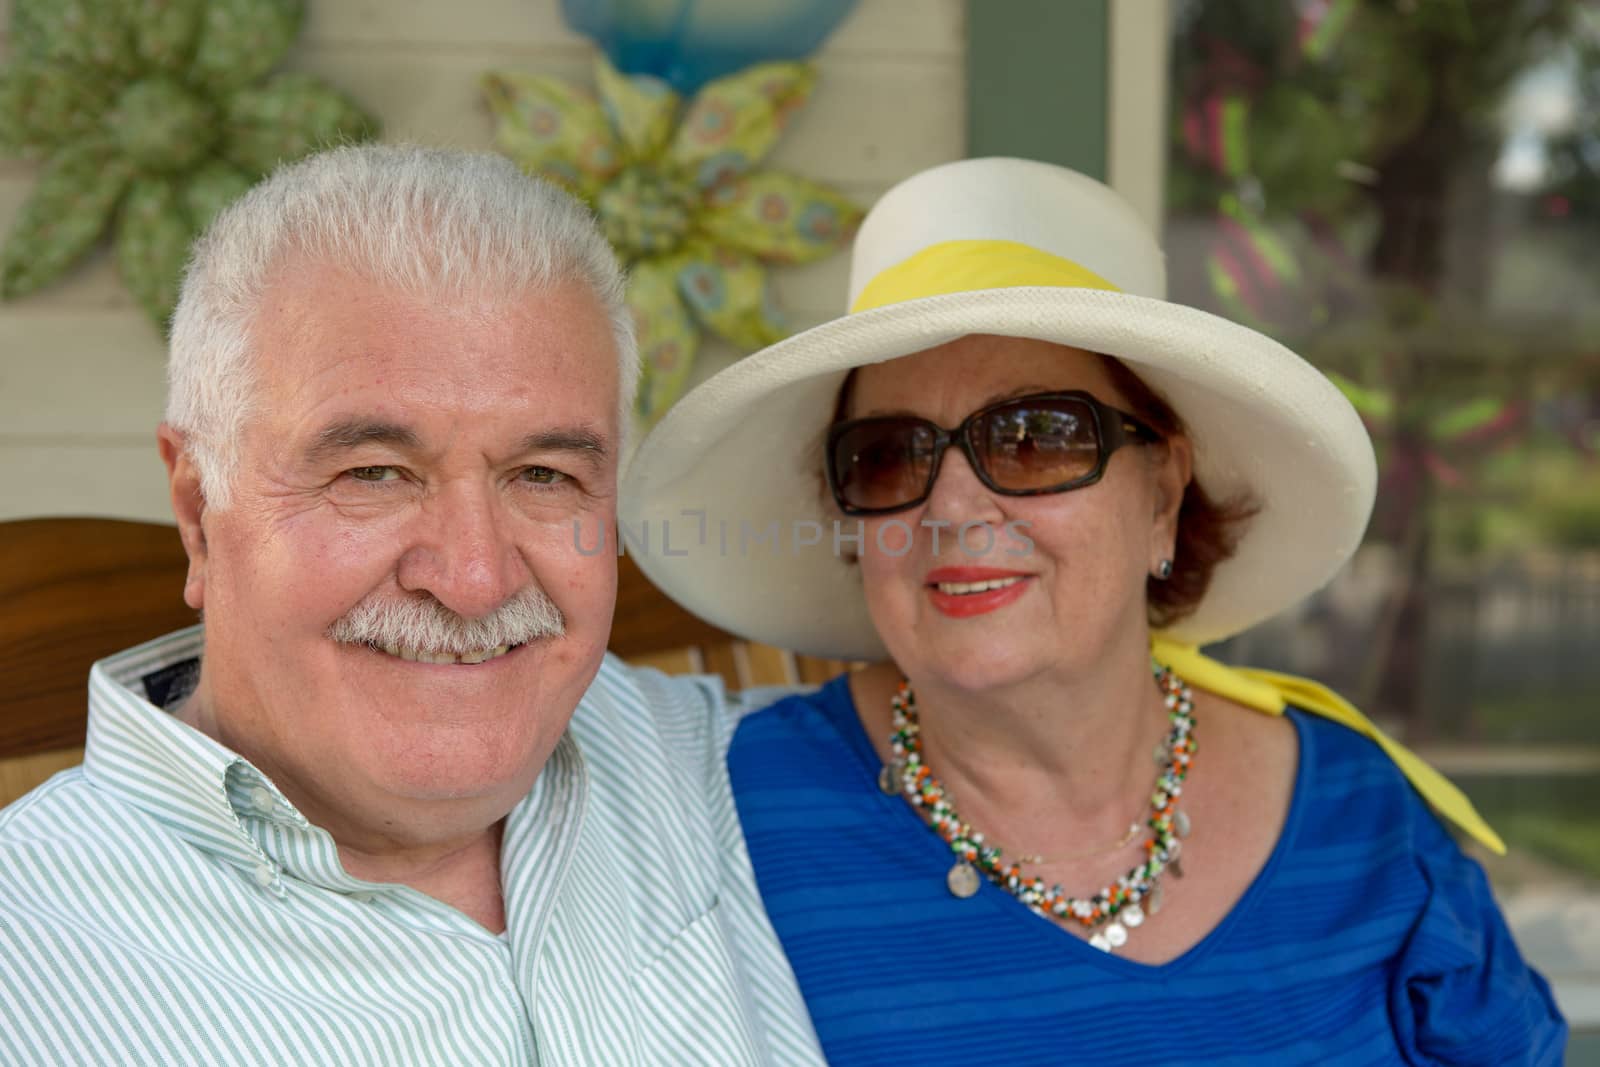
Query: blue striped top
[1368,937]
[166,903]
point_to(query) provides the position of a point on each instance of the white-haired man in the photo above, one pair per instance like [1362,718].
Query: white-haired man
[366,826]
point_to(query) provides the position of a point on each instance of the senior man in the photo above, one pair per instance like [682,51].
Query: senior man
[403,809]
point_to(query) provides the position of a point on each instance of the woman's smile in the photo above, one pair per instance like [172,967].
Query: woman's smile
[963,592]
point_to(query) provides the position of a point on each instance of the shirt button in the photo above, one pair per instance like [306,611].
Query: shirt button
[265,874]
[261,800]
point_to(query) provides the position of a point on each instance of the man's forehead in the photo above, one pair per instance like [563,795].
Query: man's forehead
[331,343]
[306,299]
[346,433]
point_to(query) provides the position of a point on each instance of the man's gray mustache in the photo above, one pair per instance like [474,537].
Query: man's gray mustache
[422,623]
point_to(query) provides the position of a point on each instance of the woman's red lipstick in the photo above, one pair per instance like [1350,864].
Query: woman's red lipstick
[966,605]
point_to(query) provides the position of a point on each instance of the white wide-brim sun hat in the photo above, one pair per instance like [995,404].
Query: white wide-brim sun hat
[988,246]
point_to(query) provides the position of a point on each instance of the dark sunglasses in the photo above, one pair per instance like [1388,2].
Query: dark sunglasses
[1043,443]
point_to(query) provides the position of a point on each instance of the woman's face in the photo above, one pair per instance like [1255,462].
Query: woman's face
[1073,593]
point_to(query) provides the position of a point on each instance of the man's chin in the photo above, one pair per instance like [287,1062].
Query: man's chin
[430,731]
[452,766]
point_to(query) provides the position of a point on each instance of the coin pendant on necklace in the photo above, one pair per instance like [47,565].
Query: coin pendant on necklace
[1099,941]
[963,880]
[1116,934]
[889,778]
[1131,915]
[1180,822]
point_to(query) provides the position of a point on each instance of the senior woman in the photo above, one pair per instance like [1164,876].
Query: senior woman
[1041,827]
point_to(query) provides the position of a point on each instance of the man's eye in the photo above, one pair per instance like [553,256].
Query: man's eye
[373,474]
[543,476]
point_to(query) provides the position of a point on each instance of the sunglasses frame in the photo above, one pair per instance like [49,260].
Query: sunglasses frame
[1113,429]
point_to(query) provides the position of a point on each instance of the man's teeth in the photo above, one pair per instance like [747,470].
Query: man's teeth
[963,588]
[416,656]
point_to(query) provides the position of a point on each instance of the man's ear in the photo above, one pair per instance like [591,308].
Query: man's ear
[188,506]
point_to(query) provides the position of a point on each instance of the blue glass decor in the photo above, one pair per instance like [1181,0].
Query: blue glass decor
[690,42]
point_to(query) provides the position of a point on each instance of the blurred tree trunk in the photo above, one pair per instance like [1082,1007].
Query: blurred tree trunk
[1408,261]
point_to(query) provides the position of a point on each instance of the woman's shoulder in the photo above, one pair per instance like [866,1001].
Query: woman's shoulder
[1349,772]
[1333,786]
[806,712]
[1357,813]
[807,744]
[809,730]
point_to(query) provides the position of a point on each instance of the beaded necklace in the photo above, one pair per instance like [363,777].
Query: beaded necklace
[1114,909]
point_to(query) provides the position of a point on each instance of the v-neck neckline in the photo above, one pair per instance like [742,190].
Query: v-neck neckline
[869,765]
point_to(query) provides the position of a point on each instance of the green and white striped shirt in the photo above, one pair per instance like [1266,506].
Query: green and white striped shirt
[165,904]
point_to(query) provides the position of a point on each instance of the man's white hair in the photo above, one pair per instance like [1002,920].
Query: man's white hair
[442,223]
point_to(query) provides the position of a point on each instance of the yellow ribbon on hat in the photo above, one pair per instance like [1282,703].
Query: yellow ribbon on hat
[1271,692]
[965,266]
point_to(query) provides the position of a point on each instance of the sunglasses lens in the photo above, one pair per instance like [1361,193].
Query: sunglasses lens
[882,463]
[1038,444]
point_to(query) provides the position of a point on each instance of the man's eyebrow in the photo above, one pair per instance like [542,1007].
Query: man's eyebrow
[567,439]
[346,434]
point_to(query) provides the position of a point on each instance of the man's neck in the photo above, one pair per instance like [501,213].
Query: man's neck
[464,875]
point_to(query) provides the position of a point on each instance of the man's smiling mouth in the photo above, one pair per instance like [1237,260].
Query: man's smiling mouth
[412,655]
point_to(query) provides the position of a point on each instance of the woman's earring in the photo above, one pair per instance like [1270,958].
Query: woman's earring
[1164,569]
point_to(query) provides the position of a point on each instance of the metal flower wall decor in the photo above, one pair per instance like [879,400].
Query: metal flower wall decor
[680,194]
[150,116]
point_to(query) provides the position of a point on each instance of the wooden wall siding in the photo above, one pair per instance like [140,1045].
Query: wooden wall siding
[81,370]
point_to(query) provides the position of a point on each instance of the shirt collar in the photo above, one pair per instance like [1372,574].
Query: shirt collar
[216,800]
[165,768]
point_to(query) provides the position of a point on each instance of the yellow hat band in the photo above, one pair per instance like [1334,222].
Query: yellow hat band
[967,266]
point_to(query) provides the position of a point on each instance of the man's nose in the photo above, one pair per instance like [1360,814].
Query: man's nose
[464,552]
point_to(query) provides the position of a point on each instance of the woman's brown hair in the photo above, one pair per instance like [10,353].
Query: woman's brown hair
[1208,530]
